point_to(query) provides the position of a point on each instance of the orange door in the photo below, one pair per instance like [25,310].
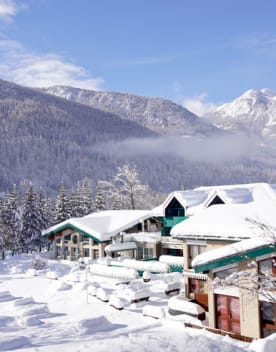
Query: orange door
[228,313]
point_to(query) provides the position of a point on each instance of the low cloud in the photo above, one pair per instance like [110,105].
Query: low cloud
[42,70]
[198,104]
[9,9]
[216,149]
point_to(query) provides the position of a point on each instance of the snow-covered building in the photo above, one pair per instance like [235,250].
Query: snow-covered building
[182,205]
[227,214]
[242,286]
[131,233]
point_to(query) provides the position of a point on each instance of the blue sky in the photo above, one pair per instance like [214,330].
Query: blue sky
[194,52]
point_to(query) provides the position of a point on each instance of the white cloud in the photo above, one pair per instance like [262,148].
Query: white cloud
[198,104]
[42,70]
[9,9]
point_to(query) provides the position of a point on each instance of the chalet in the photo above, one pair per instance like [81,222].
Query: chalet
[238,215]
[131,233]
[246,304]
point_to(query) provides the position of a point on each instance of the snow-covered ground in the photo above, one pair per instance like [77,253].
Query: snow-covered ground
[55,312]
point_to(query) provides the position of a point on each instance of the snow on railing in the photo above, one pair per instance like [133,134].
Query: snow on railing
[113,272]
[151,266]
[172,260]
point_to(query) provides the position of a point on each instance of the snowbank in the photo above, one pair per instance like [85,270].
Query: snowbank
[92,326]
[13,343]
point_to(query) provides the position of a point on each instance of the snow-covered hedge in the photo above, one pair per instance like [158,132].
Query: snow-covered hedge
[51,275]
[113,272]
[116,302]
[133,295]
[101,293]
[151,266]
[171,260]
[154,311]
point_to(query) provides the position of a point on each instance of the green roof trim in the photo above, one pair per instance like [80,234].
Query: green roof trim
[234,259]
[70,226]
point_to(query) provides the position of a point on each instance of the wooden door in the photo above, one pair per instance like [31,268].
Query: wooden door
[228,313]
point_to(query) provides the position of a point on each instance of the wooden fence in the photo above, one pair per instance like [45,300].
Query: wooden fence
[221,332]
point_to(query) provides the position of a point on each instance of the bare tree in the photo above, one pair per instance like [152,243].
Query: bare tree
[125,191]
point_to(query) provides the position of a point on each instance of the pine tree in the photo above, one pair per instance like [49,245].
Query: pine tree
[62,206]
[75,202]
[10,220]
[31,218]
[100,197]
[86,197]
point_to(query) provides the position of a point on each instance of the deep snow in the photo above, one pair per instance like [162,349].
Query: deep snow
[46,314]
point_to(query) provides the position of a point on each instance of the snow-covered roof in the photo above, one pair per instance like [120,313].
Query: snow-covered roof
[105,224]
[228,221]
[199,198]
[233,249]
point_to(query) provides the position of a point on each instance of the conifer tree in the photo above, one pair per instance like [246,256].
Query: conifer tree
[86,197]
[100,197]
[10,225]
[62,206]
[31,217]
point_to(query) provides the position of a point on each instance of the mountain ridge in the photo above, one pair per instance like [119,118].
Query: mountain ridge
[160,115]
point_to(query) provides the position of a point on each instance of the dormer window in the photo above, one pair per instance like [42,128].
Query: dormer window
[216,200]
[174,209]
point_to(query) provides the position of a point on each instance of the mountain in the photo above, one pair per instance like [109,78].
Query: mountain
[44,138]
[253,113]
[160,115]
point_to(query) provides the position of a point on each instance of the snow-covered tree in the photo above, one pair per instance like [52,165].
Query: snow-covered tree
[10,221]
[126,190]
[31,217]
[62,209]
[75,202]
[255,279]
[100,203]
[86,197]
[130,186]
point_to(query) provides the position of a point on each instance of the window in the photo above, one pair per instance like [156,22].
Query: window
[223,274]
[140,253]
[268,316]
[86,252]
[174,209]
[196,286]
[95,253]
[148,253]
[267,266]
[195,250]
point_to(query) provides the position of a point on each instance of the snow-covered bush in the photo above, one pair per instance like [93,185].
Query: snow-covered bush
[39,263]
[102,294]
[116,302]
[113,272]
[52,275]
[151,266]
[146,276]
[154,311]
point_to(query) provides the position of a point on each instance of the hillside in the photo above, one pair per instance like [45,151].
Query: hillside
[44,138]
[160,115]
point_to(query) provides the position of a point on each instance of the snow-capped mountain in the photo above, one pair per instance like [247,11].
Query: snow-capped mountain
[160,115]
[254,112]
